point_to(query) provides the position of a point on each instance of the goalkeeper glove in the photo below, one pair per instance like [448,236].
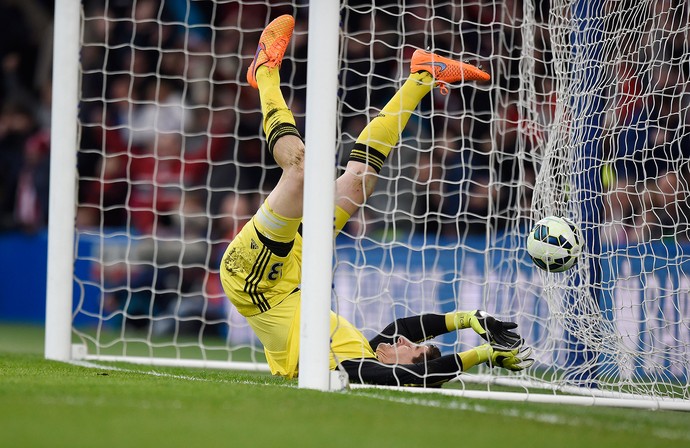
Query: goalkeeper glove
[491,329]
[514,359]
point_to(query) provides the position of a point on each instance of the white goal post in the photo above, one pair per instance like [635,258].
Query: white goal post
[62,200]
[319,194]
[158,158]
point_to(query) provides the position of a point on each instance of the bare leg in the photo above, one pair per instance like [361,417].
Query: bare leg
[286,199]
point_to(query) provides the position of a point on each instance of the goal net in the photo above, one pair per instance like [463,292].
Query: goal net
[585,117]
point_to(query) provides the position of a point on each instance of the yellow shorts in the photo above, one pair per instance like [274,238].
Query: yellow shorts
[254,277]
[261,277]
[258,275]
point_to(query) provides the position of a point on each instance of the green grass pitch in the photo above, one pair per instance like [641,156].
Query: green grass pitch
[52,404]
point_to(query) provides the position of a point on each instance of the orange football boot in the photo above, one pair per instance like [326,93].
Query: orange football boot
[446,71]
[272,45]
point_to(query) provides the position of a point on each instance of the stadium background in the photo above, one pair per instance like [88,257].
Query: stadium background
[25,121]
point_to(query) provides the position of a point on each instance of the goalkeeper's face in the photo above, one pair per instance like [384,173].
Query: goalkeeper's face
[404,351]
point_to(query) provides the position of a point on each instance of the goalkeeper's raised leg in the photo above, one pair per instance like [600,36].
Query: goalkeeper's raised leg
[381,135]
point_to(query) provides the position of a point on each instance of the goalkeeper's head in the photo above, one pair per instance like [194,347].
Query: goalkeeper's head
[404,351]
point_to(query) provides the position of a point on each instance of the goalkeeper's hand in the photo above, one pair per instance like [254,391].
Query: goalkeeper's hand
[515,359]
[494,331]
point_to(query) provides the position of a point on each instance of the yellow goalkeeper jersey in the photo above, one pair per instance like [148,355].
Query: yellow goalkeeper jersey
[261,278]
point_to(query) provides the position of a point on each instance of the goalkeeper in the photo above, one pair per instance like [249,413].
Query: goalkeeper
[261,268]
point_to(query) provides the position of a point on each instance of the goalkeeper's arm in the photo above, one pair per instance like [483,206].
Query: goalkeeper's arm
[427,326]
[492,330]
[434,372]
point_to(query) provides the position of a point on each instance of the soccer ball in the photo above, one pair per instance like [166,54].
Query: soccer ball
[554,244]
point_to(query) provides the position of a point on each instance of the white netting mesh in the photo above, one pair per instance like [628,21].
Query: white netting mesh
[585,117]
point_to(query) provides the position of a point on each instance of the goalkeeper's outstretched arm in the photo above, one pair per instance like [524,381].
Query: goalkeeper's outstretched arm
[434,372]
[427,326]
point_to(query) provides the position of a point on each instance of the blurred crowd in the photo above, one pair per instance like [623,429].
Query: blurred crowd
[170,133]
[168,123]
[25,94]
[646,128]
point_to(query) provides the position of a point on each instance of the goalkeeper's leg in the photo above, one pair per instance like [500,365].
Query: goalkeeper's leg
[372,146]
[283,138]
[375,142]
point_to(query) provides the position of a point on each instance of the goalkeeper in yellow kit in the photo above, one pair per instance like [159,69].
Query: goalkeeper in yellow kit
[261,268]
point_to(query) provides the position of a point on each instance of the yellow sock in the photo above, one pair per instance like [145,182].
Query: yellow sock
[274,226]
[278,118]
[383,132]
[341,217]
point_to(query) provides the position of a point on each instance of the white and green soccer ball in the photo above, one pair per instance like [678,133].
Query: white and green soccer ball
[555,243]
